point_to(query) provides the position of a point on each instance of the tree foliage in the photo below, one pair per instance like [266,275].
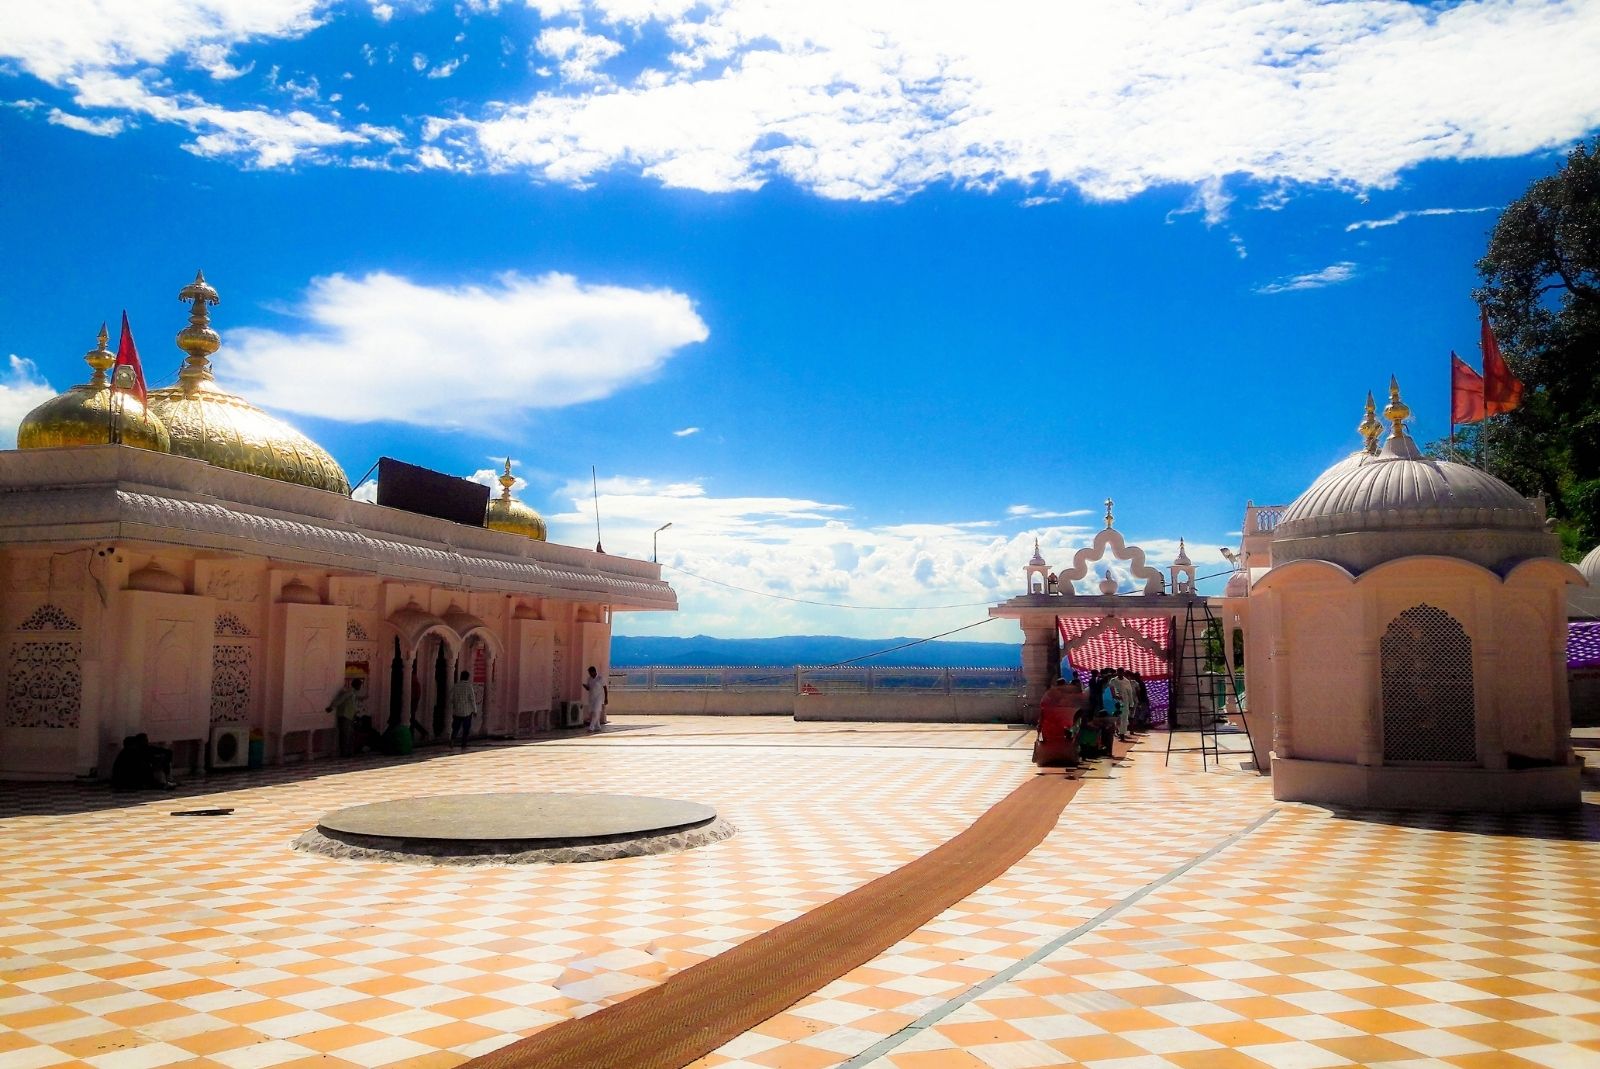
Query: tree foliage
[1541,285]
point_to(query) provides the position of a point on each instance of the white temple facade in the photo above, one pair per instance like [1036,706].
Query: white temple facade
[193,569]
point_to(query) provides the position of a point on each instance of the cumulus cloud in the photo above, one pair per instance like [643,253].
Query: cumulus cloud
[22,389]
[66,37]
[863,100]
[1400,217]
[490,477]
[686,432]
[110,54]
[1331,275]
[372,347]
[579,55]
[921,577]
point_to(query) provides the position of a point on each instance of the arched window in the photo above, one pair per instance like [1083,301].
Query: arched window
[1428,705]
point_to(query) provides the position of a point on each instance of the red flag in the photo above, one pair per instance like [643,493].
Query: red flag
[128,357]
[1466,392]
[1502,391]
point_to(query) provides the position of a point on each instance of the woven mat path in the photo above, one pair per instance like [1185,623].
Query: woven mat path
[710,1003]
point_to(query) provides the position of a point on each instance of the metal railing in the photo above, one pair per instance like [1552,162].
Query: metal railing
[817,680]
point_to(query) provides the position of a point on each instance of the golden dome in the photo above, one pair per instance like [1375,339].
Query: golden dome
[506,513]
[210,424]
[92,414]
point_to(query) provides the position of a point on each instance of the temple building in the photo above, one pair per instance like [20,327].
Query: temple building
[194,569]
[1405,620]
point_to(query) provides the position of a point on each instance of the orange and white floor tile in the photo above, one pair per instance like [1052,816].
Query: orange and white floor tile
[1175,918]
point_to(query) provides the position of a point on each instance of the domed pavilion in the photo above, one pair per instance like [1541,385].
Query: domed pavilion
[1409,639]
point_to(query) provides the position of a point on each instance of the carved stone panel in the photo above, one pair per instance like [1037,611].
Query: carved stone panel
[44,684]
[232,673]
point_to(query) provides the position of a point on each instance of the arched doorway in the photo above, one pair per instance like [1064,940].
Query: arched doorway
[1429,708]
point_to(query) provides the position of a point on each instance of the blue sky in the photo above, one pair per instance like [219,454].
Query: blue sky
[862,297]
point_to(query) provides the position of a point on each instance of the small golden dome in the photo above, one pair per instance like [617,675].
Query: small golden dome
[92,414]
[210,424]
[506,513]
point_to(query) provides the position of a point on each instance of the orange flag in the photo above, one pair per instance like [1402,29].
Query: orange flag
[1466,392]
[1502,391]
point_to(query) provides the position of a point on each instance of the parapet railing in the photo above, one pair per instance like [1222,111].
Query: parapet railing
[804,679]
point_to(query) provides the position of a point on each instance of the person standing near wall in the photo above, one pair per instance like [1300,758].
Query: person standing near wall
[595,700]
[463,707]
[343,708]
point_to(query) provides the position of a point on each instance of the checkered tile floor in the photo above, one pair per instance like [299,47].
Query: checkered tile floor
[131,938]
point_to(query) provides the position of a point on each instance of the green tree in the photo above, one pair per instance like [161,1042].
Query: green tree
[1541,285]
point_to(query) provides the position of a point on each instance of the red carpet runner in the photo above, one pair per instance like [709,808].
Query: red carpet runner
[698,1010]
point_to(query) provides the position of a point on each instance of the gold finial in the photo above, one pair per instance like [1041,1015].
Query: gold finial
[1108,512]
[198,340]
[1369,428]
[507,481]
[100,358]
[1396,411]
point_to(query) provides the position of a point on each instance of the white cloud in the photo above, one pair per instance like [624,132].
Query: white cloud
[446,69]
[370,348]
[1331,275]
[367,491]
[490,477]
[812,551]
[686,432]
[579,55]
[57,40]
[261,138]
[1041,514]
[1400,217]
[862,100]
[83,124]
[22,389]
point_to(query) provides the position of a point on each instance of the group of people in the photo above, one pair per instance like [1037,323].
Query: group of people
[1079,724]
[356,731]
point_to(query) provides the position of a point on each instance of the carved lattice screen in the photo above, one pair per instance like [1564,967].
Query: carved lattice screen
[1428,705]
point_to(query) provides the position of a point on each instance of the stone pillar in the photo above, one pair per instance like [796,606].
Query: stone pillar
[1485,674]
[1039,644]
[1368,689]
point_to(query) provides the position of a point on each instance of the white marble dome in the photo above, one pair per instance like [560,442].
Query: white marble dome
[1590,567]
[1398,503]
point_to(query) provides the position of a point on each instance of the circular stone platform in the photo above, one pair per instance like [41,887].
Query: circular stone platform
[515,828]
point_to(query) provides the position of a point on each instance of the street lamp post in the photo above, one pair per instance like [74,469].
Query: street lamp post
[663,527]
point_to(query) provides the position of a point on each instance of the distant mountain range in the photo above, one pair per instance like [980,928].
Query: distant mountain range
[634,651]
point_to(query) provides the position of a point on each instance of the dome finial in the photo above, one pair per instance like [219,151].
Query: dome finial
[1108,513]
[1396,411]
[1369,428]
[507,481]
[198,340]
[100,358]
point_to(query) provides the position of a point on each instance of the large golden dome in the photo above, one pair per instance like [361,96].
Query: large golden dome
[93,414]
[506,513]
[210,424]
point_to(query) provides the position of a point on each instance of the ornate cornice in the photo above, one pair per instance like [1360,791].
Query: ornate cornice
[50,495]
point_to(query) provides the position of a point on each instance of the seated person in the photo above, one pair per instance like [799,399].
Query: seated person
[140,766]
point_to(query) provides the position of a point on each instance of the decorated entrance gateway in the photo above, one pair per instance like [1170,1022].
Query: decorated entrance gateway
[1142,628]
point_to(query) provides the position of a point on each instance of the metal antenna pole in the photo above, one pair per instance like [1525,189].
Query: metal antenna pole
[595,482]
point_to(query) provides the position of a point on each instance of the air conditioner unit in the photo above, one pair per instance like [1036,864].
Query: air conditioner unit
[230,746]
[571,714]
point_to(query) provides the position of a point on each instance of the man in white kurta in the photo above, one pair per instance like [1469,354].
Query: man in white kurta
[594,700]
